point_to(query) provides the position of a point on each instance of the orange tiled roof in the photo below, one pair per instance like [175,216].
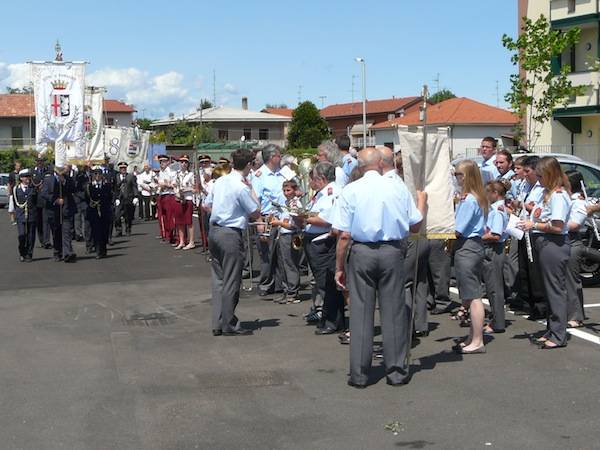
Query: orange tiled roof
[279,111]
[21,105]
[456,111]
[389,105]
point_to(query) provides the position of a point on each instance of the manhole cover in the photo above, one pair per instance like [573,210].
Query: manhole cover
[149,320]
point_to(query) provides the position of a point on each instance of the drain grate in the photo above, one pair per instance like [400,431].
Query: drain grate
[149,320]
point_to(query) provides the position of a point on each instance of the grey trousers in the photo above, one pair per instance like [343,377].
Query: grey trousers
[553,255]
[574,286]
[376,271]
[62,235]
[439,272]
[227,250]
[493,265]
[289,261]
[420,285]
[43,228]
[270,276]
[511,272]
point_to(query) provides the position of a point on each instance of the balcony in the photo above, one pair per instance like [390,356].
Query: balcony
[568,13]
[20,143]
[357,142]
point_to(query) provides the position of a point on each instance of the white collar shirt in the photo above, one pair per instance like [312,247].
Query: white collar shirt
[232,201]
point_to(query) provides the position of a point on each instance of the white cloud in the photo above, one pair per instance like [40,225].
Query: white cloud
[14,75]
[230,88]
[120,78]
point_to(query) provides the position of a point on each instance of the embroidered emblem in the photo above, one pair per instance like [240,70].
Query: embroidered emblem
[537,213]
[258,173]
[330,191]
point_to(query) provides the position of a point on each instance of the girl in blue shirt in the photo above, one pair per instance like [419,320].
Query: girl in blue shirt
[548,224]
[470,219]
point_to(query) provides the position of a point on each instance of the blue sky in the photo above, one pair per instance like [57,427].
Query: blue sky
[161,55]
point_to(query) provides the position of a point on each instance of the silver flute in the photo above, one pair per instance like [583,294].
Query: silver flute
[594,224]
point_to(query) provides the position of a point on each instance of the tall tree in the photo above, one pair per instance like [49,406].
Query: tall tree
[545,87]
[307,128]
[205,104]
[276,106]
[144,123]
[441,95]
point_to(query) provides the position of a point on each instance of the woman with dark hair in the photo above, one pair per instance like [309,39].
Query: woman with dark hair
[471,214]
[548,222]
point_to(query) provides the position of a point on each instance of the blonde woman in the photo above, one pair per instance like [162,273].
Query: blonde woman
[548,222]
[471,213]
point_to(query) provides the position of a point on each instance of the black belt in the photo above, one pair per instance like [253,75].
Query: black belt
[574,235]
[378,243]
[215,224]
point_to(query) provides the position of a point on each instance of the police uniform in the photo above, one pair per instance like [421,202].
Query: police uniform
[232,202]
[469,253]
[531,288]
[493,264]
[553,255]
[99,196]
[23,203]
[43,230]
[320,254]
[378,213]
[577,215]
[268,186]
[126,197]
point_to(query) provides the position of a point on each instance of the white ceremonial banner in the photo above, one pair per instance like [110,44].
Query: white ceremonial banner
[127,144]
[430,170]
[58,94]
[94,127]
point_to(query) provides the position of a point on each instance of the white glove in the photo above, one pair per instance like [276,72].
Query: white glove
[136,201]
[117,202]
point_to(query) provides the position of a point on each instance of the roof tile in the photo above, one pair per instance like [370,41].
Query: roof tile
[21,105]
[389,105]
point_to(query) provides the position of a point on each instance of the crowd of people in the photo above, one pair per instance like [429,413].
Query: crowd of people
[346,223]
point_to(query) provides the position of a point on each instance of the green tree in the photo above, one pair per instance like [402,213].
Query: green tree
[205,104]
[536,95]
[440,96]
[144,123]
[307,128]
[276,106]
[24,90]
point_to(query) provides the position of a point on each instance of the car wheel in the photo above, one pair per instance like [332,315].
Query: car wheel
[590,273]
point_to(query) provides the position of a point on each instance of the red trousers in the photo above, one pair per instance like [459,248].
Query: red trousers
[166,215]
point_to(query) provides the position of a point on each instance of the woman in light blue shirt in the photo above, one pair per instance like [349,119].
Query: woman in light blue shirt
[470,218]
[548,223]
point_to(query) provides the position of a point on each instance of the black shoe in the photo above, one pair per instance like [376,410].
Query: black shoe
[119,234]
[245,274]
[437,310]
[325,330]
[217,332]
[402,383]
[128,232]
[58,258]
[239,332]
[71,258]
[110,242]
[536,315]
[356,385]
[28,259]
[420,334]
[22,258]
[47,246]
[264,293]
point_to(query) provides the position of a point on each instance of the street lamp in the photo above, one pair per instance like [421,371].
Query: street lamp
[364,96]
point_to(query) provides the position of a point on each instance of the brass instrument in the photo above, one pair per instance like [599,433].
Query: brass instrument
[305,167]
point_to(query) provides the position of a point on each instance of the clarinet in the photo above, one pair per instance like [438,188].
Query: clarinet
[527,236]
[594,224]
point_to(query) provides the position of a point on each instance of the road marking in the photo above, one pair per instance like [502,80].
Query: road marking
[572,331]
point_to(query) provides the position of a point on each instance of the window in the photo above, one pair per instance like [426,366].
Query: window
[223,135]
[247,134]
[572,59]
[263,134]
[17,135]
[571,6]
[591,177]
[389,145]
[110,121]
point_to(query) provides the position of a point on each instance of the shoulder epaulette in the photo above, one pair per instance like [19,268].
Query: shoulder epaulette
[258,173]
[330,191]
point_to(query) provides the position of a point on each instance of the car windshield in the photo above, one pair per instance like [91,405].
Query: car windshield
[3,180]
[591,177]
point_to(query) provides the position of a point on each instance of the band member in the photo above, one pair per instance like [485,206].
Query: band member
[267,184]
[232,202]
[469,253]
[22,204]
[493,263]
[166,198]
[349,162]
[57,192]
[145,188]
[13,180]
[504,162]
[99,213]
[82,225]
[376,213]
[110,175]
[548,222]
[487,150]
[204,177]
[319,245]
[184,193]
[126,199]
[43,230]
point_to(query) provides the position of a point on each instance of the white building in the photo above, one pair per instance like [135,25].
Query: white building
[467,121]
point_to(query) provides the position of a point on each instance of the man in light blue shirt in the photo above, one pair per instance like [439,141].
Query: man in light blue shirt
[377,213]
[488,168]
[232,202]
[349,162]
[268,185]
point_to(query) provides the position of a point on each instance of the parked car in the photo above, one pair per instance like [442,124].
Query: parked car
[590,270]
[3,190]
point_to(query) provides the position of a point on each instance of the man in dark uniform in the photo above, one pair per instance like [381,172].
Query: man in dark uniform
[23,205]
[82,226]
[57,192]
[126,199]
[110,175]
[43,230]
[99,197]
[13,180]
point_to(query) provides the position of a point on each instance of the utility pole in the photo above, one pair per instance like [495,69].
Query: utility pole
[497,94]
[436,80]
[214,88]
[299,93]
[352,91]
[322,97]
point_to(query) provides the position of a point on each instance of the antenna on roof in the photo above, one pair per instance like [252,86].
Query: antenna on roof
[497,94]
[299,93]
[58,51]
[322,97]
[214,88]
[436,80]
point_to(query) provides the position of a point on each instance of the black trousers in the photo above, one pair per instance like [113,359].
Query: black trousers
[124,212]
[26,231]
[145,212]
[100,230]
[321,258]
[43,230]
[531,288]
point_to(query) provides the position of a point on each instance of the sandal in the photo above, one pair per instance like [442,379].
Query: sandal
[574,324]
[461,314]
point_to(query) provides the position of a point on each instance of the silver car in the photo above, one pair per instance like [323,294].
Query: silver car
[3,190]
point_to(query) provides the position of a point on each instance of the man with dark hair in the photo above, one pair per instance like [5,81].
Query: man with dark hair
[348,161]
[488,152]
[43,229]
[13,180]
[504,162]
[232,202]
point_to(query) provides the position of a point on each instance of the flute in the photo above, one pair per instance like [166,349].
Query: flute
[527,240]
[594,224]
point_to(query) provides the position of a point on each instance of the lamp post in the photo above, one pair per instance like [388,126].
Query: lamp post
[364,96]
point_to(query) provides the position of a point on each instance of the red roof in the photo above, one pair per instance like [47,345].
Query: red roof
[456,111]
[279,111]
[21,105]
[389,105]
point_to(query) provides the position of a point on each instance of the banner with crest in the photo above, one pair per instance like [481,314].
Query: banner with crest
[58,90]
[94,126]
[127,144]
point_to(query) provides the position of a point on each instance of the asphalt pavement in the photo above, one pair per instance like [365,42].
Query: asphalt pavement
[118,354]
